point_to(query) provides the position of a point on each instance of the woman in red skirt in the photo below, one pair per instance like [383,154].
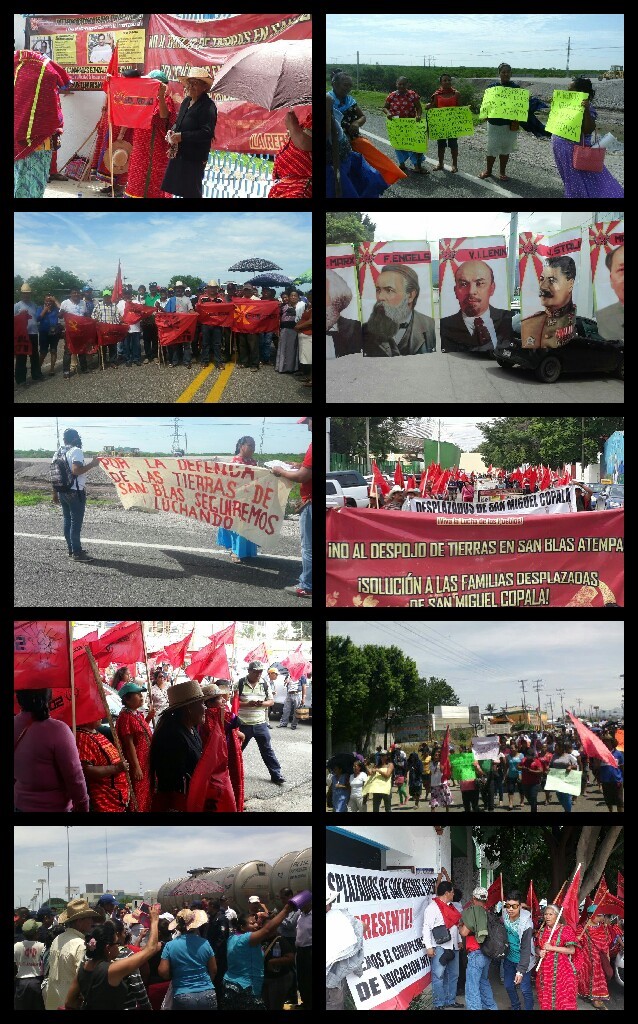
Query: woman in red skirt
[292,170]
[135,734]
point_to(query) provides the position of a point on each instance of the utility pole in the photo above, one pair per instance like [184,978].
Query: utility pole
[622,694]
[562,709]
[327,444]
[367,444]
[538,688]
[569,40]
[438,446]
[582,449]
[522,682]
[357,69]
[513,250]
[579,702]
[551,709]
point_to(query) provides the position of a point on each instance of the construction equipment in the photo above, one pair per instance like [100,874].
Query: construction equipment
[615,71]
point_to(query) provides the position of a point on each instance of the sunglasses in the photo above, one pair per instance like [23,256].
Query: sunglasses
[512,905]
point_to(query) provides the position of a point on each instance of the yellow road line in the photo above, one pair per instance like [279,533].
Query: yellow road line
[195,385]
[217,390]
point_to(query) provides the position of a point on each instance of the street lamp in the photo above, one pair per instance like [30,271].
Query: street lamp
[48,864]
[41,882]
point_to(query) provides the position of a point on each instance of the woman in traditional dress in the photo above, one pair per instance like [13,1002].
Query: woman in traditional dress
[593,960]
[150,155]
[584,184]
[292,169]
[287,359]
[239,547]
[104,771]
[556,973]
[191,137]
[135,735]
[219,711]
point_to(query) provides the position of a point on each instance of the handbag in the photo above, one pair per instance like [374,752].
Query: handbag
[441,934]
[399,779]
[589,158]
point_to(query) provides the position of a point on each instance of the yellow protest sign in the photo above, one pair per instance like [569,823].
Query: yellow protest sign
[566,114]
[64,49]
[377,784]
[450,122]
[130,45]
[408,134]
[506,102]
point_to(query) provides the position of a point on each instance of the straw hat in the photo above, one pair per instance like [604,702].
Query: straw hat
[75,910]
[121,154]
[181,694]
[200,73]
[210,690]
[193,920]
[26,288]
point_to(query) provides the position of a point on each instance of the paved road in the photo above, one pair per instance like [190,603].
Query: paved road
[294,753]
[142,560]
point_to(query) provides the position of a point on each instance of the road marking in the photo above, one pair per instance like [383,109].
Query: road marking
[195,385]
[490,185]
[161,547]
[217,390]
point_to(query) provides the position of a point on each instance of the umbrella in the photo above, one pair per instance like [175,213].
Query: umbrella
[272,75]
[304,278]
[254,264]
[270,280]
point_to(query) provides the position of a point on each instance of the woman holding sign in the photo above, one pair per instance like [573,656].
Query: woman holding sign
[445,96]
[581,184]
[240,548]
[501,132]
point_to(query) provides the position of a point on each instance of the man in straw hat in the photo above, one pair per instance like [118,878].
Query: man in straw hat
[191,137]
[211,334]
[27,305]
[67,951]
[176,746]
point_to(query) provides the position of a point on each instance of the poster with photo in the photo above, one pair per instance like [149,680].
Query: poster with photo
[549,268]
[343,311]
[397,311]
[474,294]
[607,262]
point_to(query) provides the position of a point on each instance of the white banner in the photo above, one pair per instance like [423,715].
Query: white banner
[607,261]
[343,311]
[485,747]
[390,907]
[246,499]
[554,500]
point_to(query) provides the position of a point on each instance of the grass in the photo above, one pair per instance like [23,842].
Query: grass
[373,102]
[44,498]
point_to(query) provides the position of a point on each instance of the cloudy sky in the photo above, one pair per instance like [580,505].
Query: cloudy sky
[483,40]
[155,246]
[483,662]
[140,857]
[457,224]
[154,433]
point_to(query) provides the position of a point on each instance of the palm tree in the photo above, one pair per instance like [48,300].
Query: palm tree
[490,708]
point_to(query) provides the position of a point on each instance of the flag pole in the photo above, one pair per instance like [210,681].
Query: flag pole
[148,674]
[111,144]
[72,671]
[116,738]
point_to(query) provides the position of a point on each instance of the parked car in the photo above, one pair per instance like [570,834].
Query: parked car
[353,485]
[587,352]
[335,497]
[599,493]
[615,497]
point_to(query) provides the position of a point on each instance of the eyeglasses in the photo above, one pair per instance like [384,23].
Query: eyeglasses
[512,906]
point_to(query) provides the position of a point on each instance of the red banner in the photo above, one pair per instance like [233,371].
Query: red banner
[175,328]
[175,654]
[109,334]
[21,343]
[245,128]
[121,645]
[256,317]
[136,311]
[259,654]
[215,314]
[225,636]
[133,101]
[40,654]
[83,44]
[88,701]
[80,333]
[407,559]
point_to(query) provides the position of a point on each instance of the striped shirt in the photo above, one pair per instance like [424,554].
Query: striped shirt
[136,994]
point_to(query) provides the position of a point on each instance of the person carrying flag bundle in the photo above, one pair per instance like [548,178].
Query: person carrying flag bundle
[556,975]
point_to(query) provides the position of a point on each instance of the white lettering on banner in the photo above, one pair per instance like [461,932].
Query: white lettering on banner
[248,500]
[552,501]
[390,907]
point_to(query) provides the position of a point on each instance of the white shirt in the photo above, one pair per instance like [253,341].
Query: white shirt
[65,956]
[134,328]
[77,308]
[101,54]
[304,930]
[76,455]
[356,783]
[487,320]
[433,918]
[183,304]
[26,954]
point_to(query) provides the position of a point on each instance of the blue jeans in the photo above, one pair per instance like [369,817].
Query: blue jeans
[265,342]
[205,1000]
[565,800]
[403,154]
[305,526]
[184,347]
[211,335]
[478,991]
[444,979]
[512,989]
[531,794]
[131,348]
[73,505]
[261,733]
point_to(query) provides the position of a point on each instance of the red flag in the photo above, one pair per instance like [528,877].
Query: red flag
[21,342]
[136,311]
[532,903]
[85,641]
[592,744]
[122,645]
[446,767]
[109,334]
[215,314]
[379,479]
[494,893]
[295,663]
[610,904]
[620,887]
[41,654]
[210,661]
[81,335]
[411,483]
[259,654]
[256,317]
[210,787]
[235,704]
[112,70]
[133,101]
[398,475]
[175,654]
[424,480]
[546,479]
[601,891]
[116,294]
[88,700]
[176,328]
[225,635]
[440,485]
[570,901]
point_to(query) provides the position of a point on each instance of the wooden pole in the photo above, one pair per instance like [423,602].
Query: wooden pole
[148,674]
[116,739]
[111,145]
[70,637]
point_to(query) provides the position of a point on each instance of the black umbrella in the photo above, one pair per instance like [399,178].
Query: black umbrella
[270,280]
[254,264]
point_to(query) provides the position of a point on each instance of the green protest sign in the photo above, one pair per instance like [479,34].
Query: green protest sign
[503,101]
[450,122]
[462,767]
[560,781]
[566,114]
[408,134]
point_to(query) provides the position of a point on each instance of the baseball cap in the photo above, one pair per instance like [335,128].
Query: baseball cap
[255,666]
[254,899]
[131,688]
[106,291]
[30,927]
[44,912]
[152,284]
[108,897]
[479,893]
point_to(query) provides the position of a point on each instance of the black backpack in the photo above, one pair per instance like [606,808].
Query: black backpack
[62,479]
[495,944]
[240,687]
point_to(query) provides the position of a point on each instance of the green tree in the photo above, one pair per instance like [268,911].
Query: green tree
[552,440]
[54,281]
[348,434]
[294,631]
[348,227]
[428,694]
[187,280]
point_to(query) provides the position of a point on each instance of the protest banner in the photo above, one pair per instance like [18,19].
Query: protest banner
[408,134]
[80,334]
[343,309]
[83,44]
[175,328]
[256,317]
[21,340]
[449,122]
[246,128]
[533,250]
[503,101]
[215,314]
[376,257]
[553,501]
[136,311]
[405,559]
[607,262]
[566,114]
[390,906]
[246,499]
[110,334]
[133,101]
[485,747]
[473,282]
[463,766]
[560,781]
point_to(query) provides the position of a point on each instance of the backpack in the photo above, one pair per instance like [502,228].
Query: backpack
[495,945]
[62,479]
[240,687]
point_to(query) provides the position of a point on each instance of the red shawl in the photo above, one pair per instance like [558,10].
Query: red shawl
[451,915]
[37,110]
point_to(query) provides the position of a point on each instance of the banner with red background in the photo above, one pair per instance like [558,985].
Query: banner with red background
[74,42]
[406,559]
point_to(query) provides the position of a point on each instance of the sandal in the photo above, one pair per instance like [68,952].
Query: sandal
[503,177]
[421,170]
[455,170]
[485,174]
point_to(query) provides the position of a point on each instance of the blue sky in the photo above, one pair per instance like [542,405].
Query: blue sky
[484,661]
[140,855]
[155,246]
[154,433]
[529,40]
